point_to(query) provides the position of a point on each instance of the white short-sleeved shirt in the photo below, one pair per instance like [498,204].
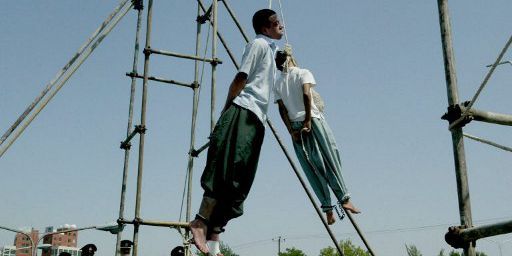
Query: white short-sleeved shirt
[259,65]
[289,88]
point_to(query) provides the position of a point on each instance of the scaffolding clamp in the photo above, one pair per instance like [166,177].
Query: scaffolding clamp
[140,129]
[203,18]
[216,61]
[138,5]
[147,51]
[455,113]
[454,237]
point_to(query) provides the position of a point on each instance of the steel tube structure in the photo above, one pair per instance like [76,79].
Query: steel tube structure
[184,56]
[232,14]
[457,137]
[62,81]
[475,233]
[156,223]
[129,127]
[140,168]
[59,74]
[163,80]
[488,142]
[214,65]
[488,117]
[231,56]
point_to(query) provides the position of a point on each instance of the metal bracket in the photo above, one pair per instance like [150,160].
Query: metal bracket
[454,113]
[453,237]
[138,5]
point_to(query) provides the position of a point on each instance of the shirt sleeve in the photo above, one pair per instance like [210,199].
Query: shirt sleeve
[306,77]
[252,53]
[276,89]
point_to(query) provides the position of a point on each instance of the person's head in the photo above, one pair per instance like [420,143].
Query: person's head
[126,246]
[89,250]
[267,23]
[284,60]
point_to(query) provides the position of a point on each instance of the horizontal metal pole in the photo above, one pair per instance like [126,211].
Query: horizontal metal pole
[489,117]
[190,57]
[475,233]
[162,80]
[157,223]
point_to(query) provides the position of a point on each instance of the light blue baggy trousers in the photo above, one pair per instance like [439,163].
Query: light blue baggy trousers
[320,159]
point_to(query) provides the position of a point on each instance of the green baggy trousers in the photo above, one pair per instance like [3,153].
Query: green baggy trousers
[320,159]
[231,163]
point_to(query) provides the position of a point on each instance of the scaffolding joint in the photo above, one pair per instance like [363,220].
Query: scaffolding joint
[216,61]
[140,129]
[194,85]
[454,237]
[138,5]
[131,74]
[126,145]
[454,114]
[147,51]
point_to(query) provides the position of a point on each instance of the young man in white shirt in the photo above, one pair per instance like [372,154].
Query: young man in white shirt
[236,141]
[312,137]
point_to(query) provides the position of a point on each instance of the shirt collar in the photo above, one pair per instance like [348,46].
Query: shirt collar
[269,40]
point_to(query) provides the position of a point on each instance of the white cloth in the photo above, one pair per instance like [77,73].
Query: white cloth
[213,248]
[290,89]
[259,65]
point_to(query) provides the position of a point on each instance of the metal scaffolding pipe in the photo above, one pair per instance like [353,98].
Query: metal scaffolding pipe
[231,56]
[484,83]
[156,223]
[129,128]
[475,233]
[303,183]
[163,80]
[488,142]
[87,52]
[184,56]
[459,236]
[457,137]
[232,14]
[59,74]
[214,65]
[143,124]
[488,117]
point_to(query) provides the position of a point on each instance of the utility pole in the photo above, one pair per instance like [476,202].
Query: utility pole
[278,239]
[457,134]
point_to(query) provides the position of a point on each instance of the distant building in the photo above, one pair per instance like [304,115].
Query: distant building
[8,251]
[61,242]
[55,251]
[23,244]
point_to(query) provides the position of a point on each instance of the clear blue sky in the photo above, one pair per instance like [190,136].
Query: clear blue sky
[378,65]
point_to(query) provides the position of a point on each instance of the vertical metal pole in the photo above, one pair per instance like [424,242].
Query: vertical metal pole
[457,135]
[129,127]
[142,134]
[214,64]
[195,103]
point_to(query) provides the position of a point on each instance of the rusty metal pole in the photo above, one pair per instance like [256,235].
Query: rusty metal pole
[129,128]
[143,124]
[214,64]
[457,135]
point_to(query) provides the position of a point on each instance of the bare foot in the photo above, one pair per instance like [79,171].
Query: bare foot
[198,229]
[350,207]
[214,246]
[330,217]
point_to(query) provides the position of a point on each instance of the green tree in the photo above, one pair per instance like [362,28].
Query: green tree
[349,249]
[455,253]
[412,250]
[292,252]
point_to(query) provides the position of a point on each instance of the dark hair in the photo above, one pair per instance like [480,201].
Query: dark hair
[280,59]
[260,19]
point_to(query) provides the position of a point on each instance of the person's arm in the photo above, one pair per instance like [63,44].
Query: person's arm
[235,88]
[283,112]
[307,107]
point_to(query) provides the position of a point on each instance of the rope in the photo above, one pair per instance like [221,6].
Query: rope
[284,24]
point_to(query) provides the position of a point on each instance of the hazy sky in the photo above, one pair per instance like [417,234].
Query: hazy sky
[379,68]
